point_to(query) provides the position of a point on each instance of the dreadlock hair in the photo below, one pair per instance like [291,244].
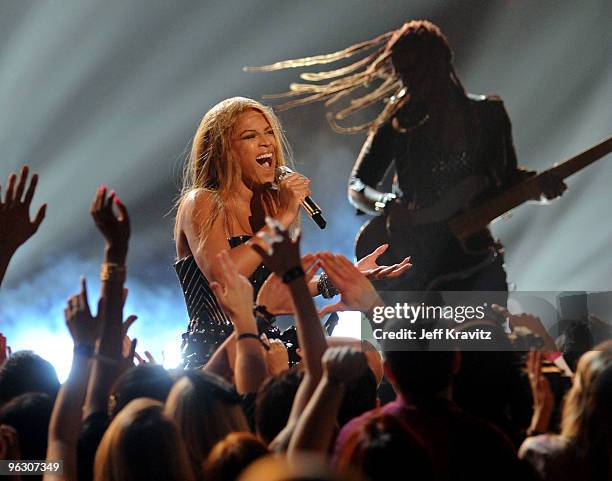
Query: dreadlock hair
[374,72]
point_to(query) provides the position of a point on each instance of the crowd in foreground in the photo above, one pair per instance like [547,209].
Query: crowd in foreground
[246,415]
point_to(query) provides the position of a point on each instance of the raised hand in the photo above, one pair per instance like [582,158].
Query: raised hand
[373,271]
[15,224]
[114,228]
[150,359]
[282,251]
[83,326]
[531,322]
[233,291]
[128,353]
[356,292]
[277,357]
[128,346]
[343,364]
[543,399]
[274,293]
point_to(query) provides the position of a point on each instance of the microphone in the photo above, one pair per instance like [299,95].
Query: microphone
[309,205]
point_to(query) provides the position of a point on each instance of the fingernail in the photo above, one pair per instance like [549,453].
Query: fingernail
[117,200]
[111,193]
[102,188]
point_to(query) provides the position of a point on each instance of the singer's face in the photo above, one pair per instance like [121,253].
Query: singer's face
[254,146]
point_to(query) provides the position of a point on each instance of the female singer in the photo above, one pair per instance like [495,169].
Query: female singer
[228,191]
[225,198]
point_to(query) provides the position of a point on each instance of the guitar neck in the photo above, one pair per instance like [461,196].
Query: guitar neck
[582,160]
[478,218]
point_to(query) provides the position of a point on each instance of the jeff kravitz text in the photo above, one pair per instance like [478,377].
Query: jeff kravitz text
[435,334]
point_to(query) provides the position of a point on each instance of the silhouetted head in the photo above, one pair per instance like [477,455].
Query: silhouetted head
[150,381]
[231,455]
[206,409]
[274,401]
[142,444]
[422,58]
[383,446]
[29,414]
[26,372]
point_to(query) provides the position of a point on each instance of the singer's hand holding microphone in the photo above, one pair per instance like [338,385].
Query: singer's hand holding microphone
[294,190]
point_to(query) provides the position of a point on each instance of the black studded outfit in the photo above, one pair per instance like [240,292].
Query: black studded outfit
[208,325]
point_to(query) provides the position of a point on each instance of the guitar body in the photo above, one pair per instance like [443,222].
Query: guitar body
[437,256]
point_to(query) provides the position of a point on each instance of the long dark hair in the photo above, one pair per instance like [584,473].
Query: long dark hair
[374,72]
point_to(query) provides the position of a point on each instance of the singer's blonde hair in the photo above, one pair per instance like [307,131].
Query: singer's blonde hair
[211,166]
[374,72]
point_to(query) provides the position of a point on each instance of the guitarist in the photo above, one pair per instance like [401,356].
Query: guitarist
[438,137]
[434,136]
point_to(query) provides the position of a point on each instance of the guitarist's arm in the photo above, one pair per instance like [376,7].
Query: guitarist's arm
[374,159]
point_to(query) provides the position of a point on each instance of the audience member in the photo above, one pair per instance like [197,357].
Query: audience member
[206,409]
[150,381]
[29,415]
[231,455]
[282,256]
[113,421]
[273,403]
[383,446]
[26,372]
[15,224]
[318,424]
[305,467]
[453,438]
[583,449]
[142,444]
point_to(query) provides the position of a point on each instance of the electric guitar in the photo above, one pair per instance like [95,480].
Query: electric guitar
[433,235]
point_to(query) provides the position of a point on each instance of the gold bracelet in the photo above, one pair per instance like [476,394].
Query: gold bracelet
[112,272]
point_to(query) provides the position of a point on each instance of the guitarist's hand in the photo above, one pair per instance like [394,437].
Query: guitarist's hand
[551,185]
[369,268]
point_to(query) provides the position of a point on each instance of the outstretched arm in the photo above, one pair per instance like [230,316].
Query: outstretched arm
[235,294]
[282,256]
[65,423]
[15,224]
[543,398]
[316,426]
[115,229]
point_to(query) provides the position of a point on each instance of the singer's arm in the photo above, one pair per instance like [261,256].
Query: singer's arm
[369,169]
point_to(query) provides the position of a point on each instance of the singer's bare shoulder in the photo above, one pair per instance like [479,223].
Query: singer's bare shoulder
[193,212]
[196,207]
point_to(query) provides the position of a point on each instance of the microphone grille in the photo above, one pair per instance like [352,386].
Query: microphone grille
[281,172]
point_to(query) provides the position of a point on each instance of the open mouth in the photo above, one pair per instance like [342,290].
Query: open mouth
[265,160]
